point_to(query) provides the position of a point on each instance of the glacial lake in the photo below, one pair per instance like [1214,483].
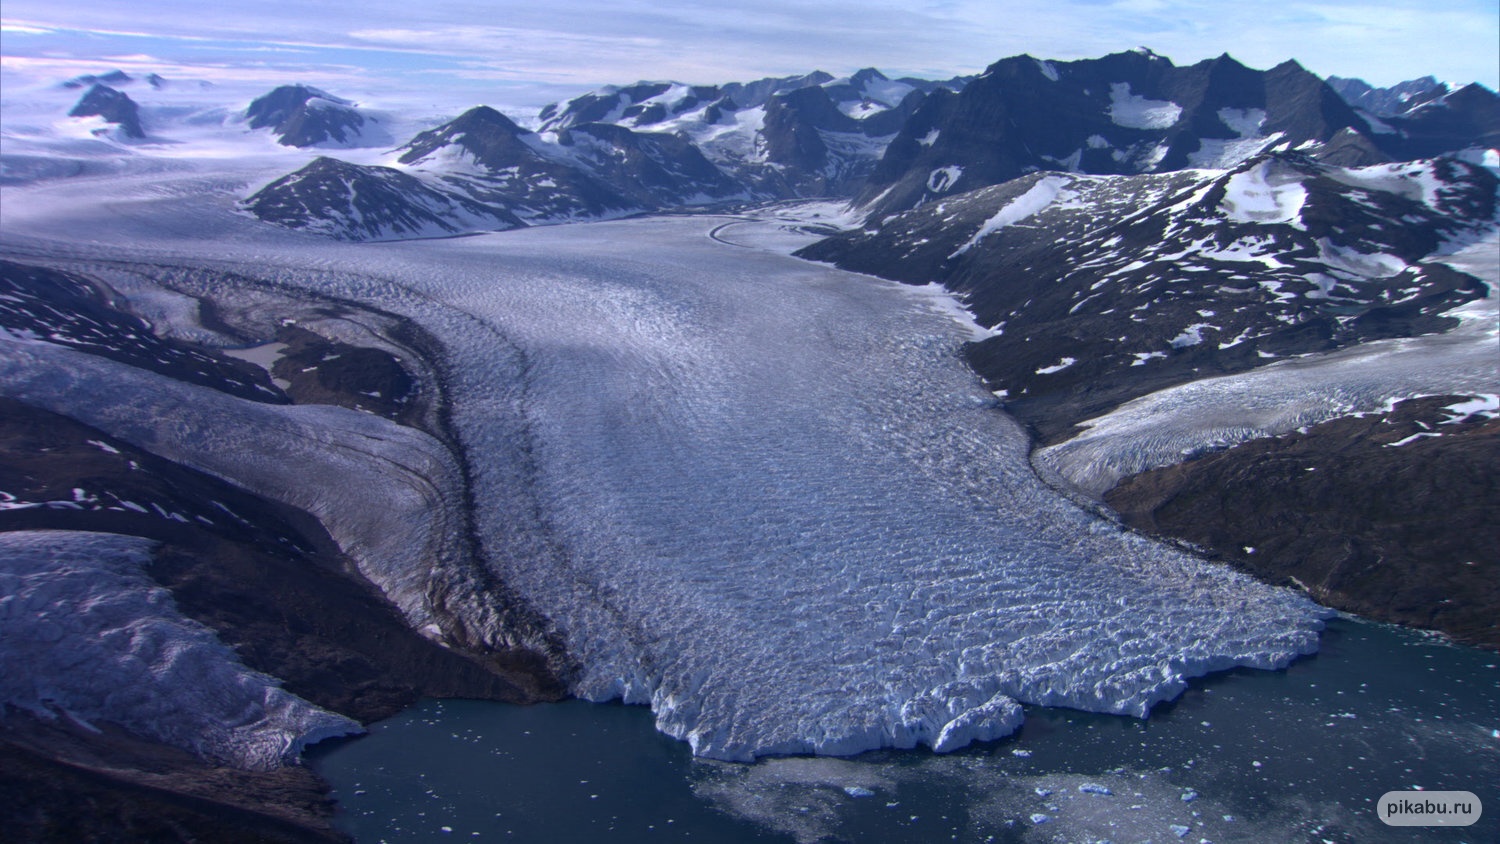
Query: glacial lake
[1295,755]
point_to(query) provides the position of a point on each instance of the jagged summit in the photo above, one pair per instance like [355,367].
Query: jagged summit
[1129,112]
[302,116]
[114,106]
[897,144]
[111,78]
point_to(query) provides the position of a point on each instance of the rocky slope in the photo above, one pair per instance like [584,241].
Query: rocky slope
[228,593]
[303,116]
[1136,112]
[1388,515]
[115,107]
[1099,289]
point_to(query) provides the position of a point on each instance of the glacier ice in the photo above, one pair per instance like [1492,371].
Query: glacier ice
[764,496]
[86,633]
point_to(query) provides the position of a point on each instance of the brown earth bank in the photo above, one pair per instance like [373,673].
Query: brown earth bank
[62,783]
[272,584]
[1390,516]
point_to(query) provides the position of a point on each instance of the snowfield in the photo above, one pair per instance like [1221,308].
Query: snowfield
[763,496]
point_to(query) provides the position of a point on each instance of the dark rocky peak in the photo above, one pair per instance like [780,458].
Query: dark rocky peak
[1464,119]
[113,77]
[812,107]
[1304,107]
[280,104]
[1388,102]
[755,94]
[156,81]
[302,116]
[354,202]
[653,169]
[114,106]
[1131,112]
[794,124]
[491,138]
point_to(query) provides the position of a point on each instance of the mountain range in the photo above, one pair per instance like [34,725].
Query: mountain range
[1121,232]
[888,145]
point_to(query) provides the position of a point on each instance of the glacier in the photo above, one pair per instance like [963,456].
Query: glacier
[763,496]
[85,634]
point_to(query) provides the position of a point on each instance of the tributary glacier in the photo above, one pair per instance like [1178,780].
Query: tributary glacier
[764,496]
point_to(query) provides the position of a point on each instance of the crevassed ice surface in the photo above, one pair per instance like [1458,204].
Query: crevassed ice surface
[84,630]
[767,497]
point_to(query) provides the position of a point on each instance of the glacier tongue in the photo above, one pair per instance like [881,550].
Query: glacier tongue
[764,496]
[789,518]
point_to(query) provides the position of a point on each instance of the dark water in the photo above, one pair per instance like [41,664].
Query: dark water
[1297,755]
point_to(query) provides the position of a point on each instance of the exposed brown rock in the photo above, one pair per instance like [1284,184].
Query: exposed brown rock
[1406,533]
[62,783]
[273,585]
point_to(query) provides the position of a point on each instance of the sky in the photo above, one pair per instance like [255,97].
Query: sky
[526,54]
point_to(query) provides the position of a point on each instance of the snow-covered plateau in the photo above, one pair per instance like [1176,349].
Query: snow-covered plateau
[764,496]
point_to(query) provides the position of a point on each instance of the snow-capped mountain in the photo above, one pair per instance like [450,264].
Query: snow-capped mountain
[483,172]
[1103,288]
[115,107]
[1132,112]
[897,144]
[360,202]
[303,116]
[810,135]
[1465,120]
[113,78]
[1388,102]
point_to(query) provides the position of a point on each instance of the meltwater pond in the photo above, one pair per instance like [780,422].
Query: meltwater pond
[1253,756]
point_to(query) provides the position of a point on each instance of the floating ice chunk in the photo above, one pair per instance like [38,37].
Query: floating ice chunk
[858,791]
[1095,788]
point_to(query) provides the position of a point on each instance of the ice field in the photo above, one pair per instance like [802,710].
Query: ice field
[763,496]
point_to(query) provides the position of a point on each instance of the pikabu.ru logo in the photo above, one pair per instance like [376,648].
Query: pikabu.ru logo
[1429,808]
